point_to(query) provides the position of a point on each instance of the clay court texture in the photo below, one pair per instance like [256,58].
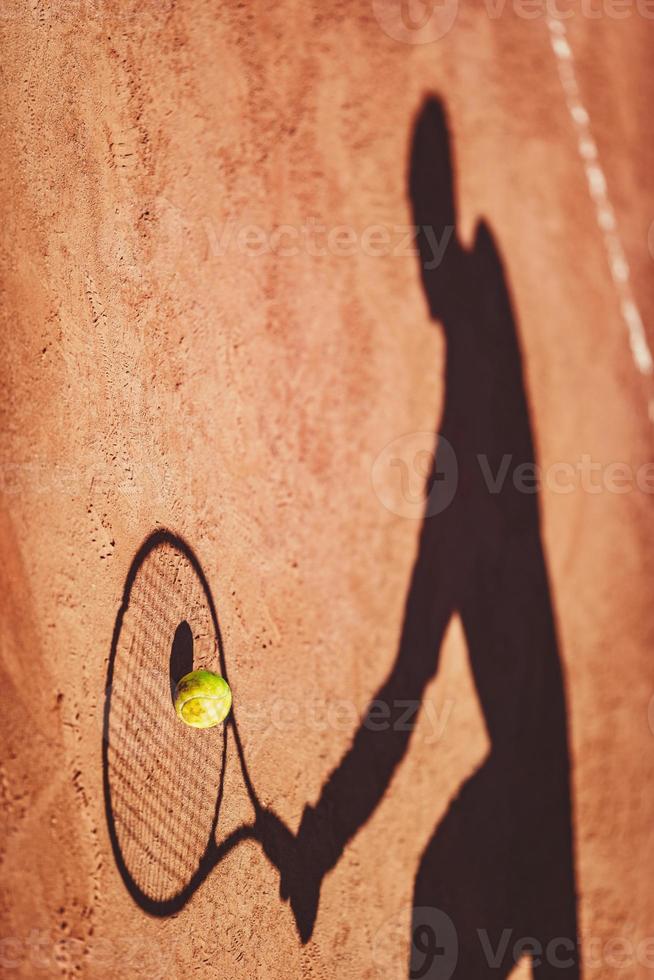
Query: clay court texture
[327,335]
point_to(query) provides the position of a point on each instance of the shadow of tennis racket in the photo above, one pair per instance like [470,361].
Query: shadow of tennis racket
[163,781]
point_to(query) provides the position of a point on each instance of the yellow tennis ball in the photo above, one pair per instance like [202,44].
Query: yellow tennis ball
[202,699]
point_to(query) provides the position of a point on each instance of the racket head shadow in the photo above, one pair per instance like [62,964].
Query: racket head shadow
[163,781]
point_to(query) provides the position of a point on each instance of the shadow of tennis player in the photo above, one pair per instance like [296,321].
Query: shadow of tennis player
[500,863]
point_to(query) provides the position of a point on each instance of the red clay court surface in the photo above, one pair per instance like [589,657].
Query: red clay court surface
[217,320]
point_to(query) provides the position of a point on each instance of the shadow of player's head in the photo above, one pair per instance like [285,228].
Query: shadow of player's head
[431,191]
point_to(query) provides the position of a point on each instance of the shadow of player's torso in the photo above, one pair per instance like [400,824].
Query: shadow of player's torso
[489,864]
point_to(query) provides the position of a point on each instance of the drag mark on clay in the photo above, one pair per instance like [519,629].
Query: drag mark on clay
[598,188]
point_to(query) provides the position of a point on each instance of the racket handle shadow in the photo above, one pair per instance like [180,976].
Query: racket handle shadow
[294,856]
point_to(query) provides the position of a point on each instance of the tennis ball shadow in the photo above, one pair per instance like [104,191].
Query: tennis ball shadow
[181,655]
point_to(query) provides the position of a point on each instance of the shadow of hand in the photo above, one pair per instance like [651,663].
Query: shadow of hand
[301,861]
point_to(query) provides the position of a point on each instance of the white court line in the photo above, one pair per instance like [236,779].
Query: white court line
[605,213]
